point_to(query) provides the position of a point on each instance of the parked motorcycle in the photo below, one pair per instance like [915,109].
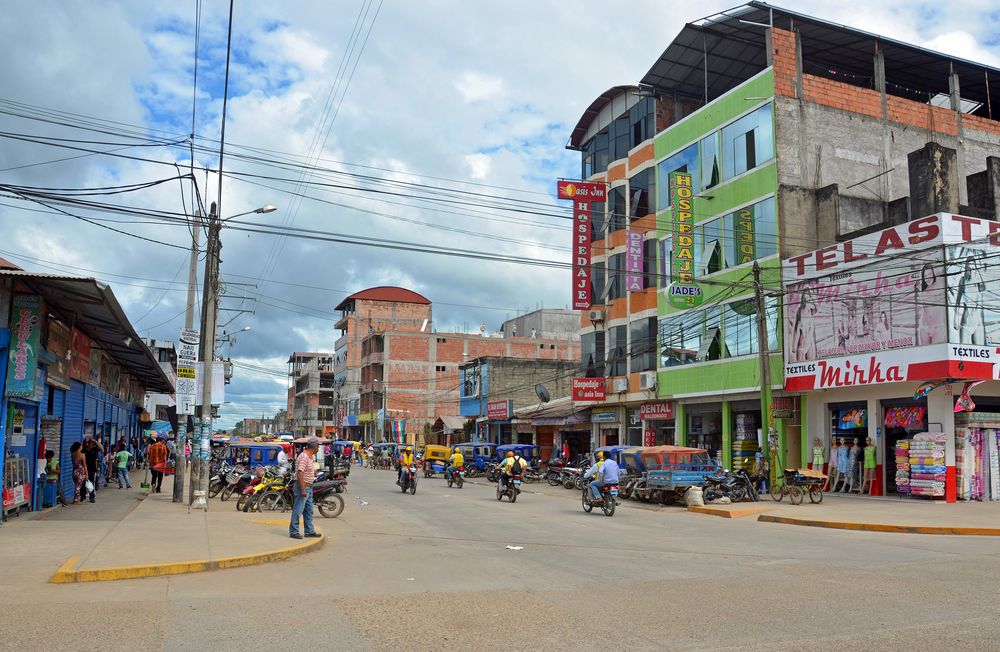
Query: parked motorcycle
[492,471]
[511,488]
[227,475]
[735,486]
[456,477]
[408,480]
[570,475]
[607,502]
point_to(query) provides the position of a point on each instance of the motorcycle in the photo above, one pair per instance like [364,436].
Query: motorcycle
[235,481]
[456,477]
[532,474]
[607,502]
[570,475]
[512,489]
[492,471]
[409,480]
[327,498]
[735,486]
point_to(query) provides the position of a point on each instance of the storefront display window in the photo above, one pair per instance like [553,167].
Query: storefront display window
[901,420]
[705,429]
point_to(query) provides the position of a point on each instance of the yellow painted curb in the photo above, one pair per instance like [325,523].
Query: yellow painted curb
[739,512]
[68,574]
[883,527]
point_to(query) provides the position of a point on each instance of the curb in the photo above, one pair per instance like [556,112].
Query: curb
[69,574]
[727,513]
[883,527]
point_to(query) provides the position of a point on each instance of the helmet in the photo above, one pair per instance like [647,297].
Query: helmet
[457,450]
[510,453]
[408,449]
[600,455]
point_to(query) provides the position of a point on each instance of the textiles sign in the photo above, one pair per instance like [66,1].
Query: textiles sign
[589,389]
[498,410]
[25,336]
[583,195]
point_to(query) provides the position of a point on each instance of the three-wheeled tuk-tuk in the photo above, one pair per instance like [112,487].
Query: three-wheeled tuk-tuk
[670,470]
[435,459]
[476,456]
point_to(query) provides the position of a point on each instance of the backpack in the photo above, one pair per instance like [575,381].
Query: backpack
[515,468]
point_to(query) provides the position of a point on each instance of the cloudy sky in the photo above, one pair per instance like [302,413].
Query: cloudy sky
[476,98]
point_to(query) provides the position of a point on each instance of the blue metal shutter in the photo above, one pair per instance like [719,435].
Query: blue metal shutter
[72,431]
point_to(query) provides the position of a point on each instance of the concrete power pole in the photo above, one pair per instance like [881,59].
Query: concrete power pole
[764,359]
[180,464]
[209,317]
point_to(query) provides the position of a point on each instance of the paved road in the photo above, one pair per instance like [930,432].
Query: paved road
[432,571]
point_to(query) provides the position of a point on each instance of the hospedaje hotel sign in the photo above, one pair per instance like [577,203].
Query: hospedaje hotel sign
[682,292]
[25,338]
[583,194]
[913,302]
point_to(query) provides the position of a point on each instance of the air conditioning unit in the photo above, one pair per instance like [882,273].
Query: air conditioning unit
[596,315]
[619,385]
[647,380]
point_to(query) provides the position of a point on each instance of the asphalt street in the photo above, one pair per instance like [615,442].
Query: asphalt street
[434,571]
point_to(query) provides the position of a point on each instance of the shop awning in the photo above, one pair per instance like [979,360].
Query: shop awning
[91,306]
[449,424]
[559,412]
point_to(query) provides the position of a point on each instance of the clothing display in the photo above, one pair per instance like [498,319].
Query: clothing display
[842,463]
[852,462]
[817,458]
[926,462]
[745,446]
[976,459]
[902,452]
[870,457]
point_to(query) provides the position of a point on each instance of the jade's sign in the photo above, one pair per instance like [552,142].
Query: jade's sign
[685,296]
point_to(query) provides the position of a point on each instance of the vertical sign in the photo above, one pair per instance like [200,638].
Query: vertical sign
[187,360]
[682,292]
[746,250]
[79,364]
[633,261]
[26,329]
[58,344]
[583,194]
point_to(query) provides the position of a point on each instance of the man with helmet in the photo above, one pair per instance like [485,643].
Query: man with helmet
[457,460]
[604,471]
[405,460]
[513,464]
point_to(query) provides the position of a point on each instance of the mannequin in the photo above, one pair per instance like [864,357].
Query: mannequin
[817,454]
[853,475]
[833,477]
[843,467]
[869,467]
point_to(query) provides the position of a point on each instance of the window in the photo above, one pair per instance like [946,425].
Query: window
[587,151]
[642,347]
[747,143]
[685,160]
[691,336]
[642,117]
[439,368]
[617,347]
[640,187]
[615,288]
[666,250]
[649,248]
[598,221]
[592,354]
[617,209]
[441,340]
[754,232]
[740,327]
[710,248]
[601,152]
[711,172]
[598,272]
[619,138]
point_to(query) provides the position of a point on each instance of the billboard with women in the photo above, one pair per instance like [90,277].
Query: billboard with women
[973,272]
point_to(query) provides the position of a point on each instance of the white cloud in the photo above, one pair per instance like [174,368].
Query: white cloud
[479,166]
[476,87]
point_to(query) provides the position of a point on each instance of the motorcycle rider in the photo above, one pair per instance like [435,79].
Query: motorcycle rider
[405,460]
[511,463]
[457,460]
[605,471]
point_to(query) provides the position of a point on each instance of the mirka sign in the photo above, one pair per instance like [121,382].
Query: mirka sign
[583,195]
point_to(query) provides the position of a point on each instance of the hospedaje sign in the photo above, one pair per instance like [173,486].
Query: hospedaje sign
[913,302]
[682,292]
[583,194]
[26,330]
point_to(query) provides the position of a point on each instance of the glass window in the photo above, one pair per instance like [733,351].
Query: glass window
[691,336]
[592,353]
[666,249]
[711,172]
[597,285]
[622,137]
[598,221]
[641,120]
[601,151]
[640,187]
[615,287]
[754,232]
[642,346]
[740,327]
[617,209]
[587,153]
[747,143]
[649,248]
[617,347]
[685,160]
[710,248]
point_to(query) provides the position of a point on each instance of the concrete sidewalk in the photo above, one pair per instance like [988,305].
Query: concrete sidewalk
[129,534]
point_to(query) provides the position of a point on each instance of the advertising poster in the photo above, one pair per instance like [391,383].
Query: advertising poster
[79,364]
[58,344]
[852,419]
[25,339]
[973,294]
[890,304]
[94,366]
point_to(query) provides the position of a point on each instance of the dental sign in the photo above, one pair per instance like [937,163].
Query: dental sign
[914,302]
[583,194]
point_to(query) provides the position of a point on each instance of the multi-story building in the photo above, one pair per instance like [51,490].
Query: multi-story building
[312,393]
[794,134]
[411,379]
[382,308]
[158,406]
[551,323]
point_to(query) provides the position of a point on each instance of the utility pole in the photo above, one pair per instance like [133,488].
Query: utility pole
[209,317]
[180,463]
[767,423]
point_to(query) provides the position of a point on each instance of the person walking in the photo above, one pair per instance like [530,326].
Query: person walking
[121,468]
[157,456]
[92,451]
[79,471]
[305,474]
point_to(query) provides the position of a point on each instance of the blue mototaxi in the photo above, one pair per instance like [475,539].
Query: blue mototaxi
[253,453]
[614,452]
[478,454]
[530,452]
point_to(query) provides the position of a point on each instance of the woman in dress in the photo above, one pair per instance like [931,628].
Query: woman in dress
[79,470]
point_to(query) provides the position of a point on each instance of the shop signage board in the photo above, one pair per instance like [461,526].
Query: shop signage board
[649,438]
[681,295]
[499,410]
[58,344]
[583,194]
[633,260]
[682,216]
[79,364]
[604,416]
[917,301]
[589,389]
[782,407]
[746,249]
[187,361]
[25,339]
[659,411]
[94,366]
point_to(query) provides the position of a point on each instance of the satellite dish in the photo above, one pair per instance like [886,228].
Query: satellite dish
[542,393]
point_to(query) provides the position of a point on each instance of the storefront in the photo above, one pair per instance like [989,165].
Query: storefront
[704,427]
[607,426]
[658,424]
